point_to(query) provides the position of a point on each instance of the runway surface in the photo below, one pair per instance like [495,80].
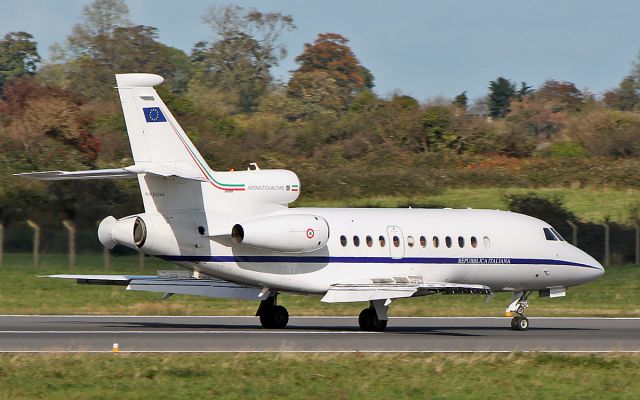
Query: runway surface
[324,334]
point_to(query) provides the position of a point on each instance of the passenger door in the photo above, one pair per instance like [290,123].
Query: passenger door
[396,242]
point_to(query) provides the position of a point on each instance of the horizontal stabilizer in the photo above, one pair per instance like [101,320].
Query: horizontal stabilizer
[209,287]
[127,172]
[89,174]
[340,293]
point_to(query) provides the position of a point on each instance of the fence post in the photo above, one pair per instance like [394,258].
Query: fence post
[607,257]
[71,230]
[36,242]
[574,233]
[1,244]
[141,260]
[637,226]
[106,255]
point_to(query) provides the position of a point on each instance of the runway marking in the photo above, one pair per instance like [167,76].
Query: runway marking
[257,332]
[329,351]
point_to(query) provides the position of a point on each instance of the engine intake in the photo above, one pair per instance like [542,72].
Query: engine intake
[285,233]
[148,232]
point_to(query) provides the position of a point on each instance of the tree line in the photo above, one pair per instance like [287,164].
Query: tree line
[326,122]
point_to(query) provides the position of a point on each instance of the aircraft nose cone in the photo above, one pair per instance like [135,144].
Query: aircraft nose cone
[596,269]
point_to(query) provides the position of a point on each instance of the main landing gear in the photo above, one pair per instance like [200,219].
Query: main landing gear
[272,316]
[518,306]
[374,318]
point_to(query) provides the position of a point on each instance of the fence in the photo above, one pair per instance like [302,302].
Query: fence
[30,237]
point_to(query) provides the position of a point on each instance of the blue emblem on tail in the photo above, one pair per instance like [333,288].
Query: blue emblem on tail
[153,114]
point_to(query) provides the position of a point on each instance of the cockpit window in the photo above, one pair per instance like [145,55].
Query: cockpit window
[559,236]
[548,234]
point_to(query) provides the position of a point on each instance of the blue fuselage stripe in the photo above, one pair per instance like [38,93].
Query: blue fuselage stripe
[374,260]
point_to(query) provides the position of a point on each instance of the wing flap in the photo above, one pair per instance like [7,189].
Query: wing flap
[367,291]
[197,287]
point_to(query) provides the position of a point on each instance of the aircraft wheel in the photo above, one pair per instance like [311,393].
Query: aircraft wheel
[369,321]
[520,324]
[274,317]
[523,324]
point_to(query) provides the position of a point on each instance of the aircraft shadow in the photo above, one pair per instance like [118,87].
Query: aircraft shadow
[462,331]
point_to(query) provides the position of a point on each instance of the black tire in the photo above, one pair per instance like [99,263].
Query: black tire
[280,317]
[369,321]
[514,323]
[364,319]
[523,324]
[266,318]
[274,317]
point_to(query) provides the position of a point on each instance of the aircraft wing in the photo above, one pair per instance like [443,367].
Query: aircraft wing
[209,287]
[396,288]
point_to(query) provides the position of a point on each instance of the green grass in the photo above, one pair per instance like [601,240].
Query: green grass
[318,376]
[589,205]
[617,294]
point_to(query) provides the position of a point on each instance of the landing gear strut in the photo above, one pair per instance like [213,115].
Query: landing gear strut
[272,316]
[374,318]
[518,306]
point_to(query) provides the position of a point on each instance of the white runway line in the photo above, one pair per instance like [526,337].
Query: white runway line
[612,352]
[257,332]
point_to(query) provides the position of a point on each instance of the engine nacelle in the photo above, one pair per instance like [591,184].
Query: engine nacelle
[284,233]
[148,232]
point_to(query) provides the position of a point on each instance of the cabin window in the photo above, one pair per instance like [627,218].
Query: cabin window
[410,241]
[396,241]
[460,241]
[343,241]
[356,241]
[549,235]
[487,242]
[559,236]
[369,241]
[474,242]
[447,241]
[381,240]
[436,242]
[423,241]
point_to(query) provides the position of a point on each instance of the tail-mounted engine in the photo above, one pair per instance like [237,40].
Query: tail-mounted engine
[284,233]
[148,232]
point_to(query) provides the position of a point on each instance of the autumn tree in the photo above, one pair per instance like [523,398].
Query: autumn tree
[18,56]
[561,96]
[625,97]
[104,43]
[329,73]
[238,61]
[501,91]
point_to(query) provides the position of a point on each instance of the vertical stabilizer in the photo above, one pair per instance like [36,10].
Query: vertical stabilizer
[154,134]
[159,143]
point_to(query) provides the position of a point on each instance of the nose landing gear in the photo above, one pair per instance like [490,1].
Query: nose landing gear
[518,306]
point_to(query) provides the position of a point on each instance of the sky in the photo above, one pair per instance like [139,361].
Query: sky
[422,48]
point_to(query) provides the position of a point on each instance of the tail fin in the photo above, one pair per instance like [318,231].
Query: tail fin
[154,134]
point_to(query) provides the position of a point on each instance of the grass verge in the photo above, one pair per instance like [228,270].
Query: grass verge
[617,294]
[319,376]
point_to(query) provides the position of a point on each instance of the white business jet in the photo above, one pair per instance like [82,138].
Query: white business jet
[237,237]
